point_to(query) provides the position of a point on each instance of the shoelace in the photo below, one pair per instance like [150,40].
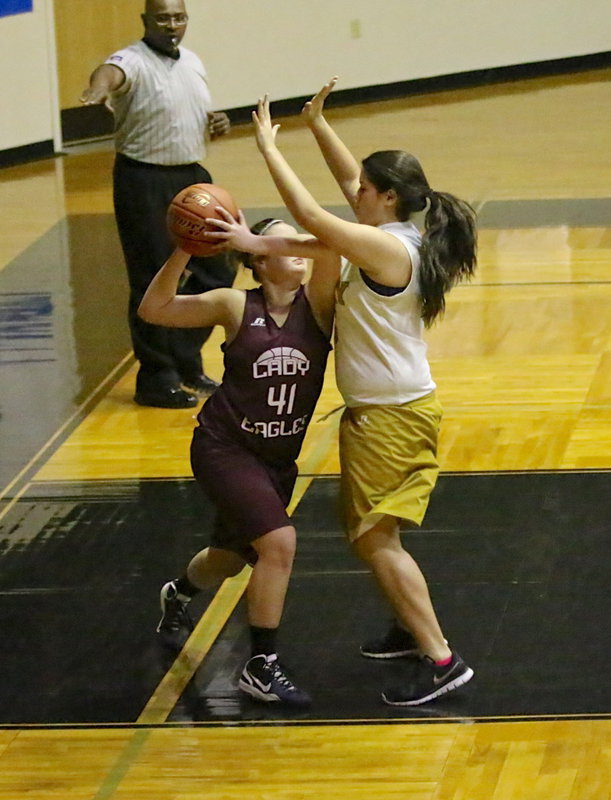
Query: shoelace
[279,675]
[178,617]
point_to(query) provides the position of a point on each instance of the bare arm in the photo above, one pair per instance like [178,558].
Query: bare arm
[320,289]
[378,253]
[343,165]
[237,235]
[104,80]
[161,305]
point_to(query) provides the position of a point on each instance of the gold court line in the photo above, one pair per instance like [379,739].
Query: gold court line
[14,499]
[174,682]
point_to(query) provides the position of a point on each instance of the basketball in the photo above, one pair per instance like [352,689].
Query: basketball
[188,216]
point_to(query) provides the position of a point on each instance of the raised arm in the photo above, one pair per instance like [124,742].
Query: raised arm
[103,81]
[343,165]
[377,252]
[162,305]
[237,235]
[325,262]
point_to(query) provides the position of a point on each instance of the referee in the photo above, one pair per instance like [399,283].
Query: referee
[158,93]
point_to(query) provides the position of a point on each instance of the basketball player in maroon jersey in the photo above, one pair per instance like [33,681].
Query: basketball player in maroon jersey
[249,434]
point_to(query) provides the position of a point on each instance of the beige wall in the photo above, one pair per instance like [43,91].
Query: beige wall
[285,47]
[288,47]
[29,112]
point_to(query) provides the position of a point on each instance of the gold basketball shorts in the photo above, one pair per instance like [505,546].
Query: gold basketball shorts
[388,457]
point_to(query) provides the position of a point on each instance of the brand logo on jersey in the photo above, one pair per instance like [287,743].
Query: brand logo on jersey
[258,323]
[284,361]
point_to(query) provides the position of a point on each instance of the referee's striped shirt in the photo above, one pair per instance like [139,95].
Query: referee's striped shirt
[162,108]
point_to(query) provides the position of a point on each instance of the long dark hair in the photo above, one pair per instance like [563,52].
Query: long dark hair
[448,253]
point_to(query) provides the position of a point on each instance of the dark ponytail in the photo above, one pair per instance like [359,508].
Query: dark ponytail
[449,244]
[449,251]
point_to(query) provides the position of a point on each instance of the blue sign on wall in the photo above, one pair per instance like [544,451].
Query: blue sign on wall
[8,7]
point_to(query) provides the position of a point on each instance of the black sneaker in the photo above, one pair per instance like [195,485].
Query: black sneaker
[175,625]
[201,386]
[170,397]
[428,681]
[396,643]
[264,679]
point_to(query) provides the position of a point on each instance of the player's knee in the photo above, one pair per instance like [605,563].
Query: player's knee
[375,549]
[277,548]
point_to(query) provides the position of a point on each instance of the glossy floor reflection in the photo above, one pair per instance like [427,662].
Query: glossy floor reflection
[63,329]
[63,325]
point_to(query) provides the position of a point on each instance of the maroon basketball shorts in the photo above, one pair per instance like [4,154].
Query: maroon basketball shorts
[250,495]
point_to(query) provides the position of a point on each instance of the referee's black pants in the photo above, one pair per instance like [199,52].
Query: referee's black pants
[142,193]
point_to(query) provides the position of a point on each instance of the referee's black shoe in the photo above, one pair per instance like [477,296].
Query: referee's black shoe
[201,386]
[169,397]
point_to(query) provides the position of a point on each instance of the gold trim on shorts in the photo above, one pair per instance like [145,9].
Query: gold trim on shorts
[388,457]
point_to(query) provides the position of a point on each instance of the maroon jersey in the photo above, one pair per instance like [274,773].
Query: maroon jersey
[273,377]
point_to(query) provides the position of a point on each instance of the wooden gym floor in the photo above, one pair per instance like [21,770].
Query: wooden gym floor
[98,508]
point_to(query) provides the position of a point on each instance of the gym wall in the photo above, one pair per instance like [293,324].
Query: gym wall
[287,48]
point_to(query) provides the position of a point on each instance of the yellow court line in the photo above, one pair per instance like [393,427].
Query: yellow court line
[174,682]
[14,499]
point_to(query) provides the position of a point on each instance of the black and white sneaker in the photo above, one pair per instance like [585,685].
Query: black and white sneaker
[396,643]
[428,680]
[264,679]
[175,625]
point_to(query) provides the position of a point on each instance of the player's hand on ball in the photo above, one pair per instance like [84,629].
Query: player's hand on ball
[234,232]
[191,213]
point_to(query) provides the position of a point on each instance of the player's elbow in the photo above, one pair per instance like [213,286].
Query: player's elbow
[148,313]
[307,218]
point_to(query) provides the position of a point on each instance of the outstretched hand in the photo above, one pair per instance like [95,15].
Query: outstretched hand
[312,110]
[234,233]
[93,96]
[265,130]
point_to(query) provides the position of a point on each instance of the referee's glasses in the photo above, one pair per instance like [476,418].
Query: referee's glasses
[166,20]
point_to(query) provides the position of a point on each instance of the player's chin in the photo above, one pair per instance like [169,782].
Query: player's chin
[299,272]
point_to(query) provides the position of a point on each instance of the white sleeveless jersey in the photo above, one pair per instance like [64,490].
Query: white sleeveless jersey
[380,351]
[161,110]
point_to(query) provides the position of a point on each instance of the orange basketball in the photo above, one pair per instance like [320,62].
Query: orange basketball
[188,216]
